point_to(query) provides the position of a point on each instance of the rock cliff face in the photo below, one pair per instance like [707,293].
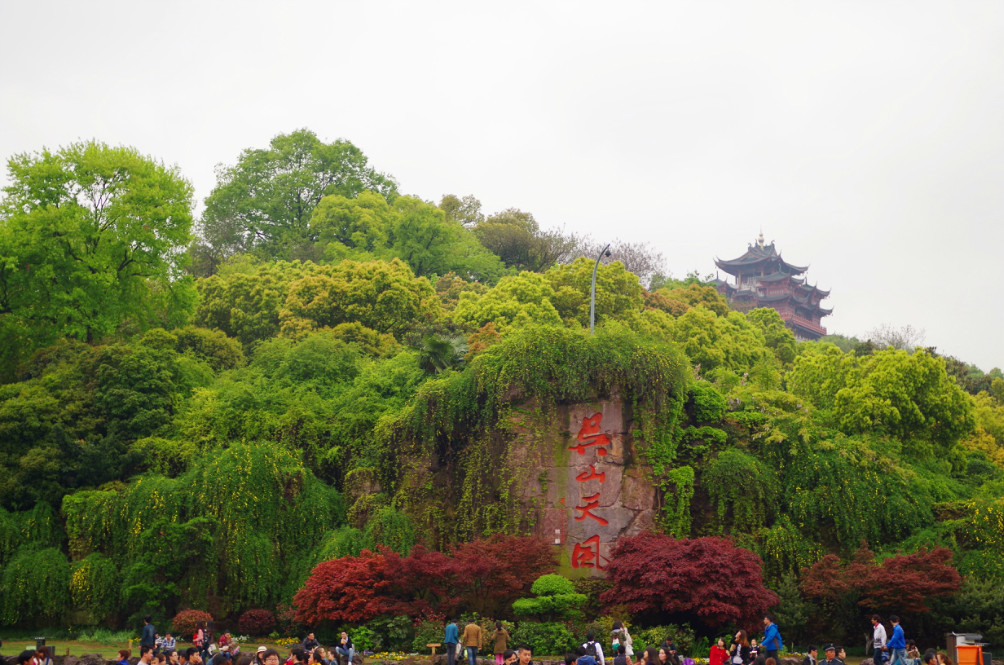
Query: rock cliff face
[591,488]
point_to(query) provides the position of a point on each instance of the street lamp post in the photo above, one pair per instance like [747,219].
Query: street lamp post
[592,293]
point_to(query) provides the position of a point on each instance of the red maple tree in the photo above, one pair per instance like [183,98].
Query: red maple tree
[483,576]
[709,578]
[904,583]
[352,588]
[490,574]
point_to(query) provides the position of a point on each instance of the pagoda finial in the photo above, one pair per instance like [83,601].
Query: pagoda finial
[759,240]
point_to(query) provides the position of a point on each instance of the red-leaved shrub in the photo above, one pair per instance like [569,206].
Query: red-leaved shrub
[184,623]
[904,583]
[256,622]
[707,578]
[484,576]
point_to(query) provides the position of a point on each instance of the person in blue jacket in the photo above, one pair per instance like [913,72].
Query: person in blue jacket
[896,643]
[450,640]
[771,641]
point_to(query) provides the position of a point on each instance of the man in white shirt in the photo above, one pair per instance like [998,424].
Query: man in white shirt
[878,639]
[593,647]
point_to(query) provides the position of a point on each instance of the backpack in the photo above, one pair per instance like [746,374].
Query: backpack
[591,646]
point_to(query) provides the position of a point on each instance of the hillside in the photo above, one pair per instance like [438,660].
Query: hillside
[197,414]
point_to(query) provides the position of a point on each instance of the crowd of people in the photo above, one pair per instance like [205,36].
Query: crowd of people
[155,649]
[742,649]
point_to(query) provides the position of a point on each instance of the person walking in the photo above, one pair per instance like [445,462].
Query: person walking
[771,637]
[620,636]
[148,638]
[473,639]
[501,638]
[594,648]
[810,656]
[897,643]
[451,638]
[878,639]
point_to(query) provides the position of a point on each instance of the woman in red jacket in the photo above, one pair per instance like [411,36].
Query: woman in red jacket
[718,653]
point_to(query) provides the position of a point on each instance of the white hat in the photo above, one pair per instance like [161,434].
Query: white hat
[262,649]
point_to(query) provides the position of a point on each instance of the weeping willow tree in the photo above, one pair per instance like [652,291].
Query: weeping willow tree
[235,527]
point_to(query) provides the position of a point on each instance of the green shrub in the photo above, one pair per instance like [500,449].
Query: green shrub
[704,403]
[556,599]
[389,633]
[683,636]
[427,632]
[544,638]
[552,585]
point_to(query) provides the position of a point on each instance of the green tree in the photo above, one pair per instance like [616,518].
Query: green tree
[360,223]
[618,292]
[245,302]
[421,236]
[386,297]
[265,201]
[729,343]
[909,396]
[516,238]
[466,210]
[820,371]
[677,297]
[85,232]
[516,301]
[779,339]
[35,586]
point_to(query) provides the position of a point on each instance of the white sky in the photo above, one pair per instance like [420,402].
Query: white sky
[865,138]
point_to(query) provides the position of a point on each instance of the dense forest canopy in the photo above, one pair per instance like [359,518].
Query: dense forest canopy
[197,412]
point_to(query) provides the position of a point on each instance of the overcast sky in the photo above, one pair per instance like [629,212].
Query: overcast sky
[865,138]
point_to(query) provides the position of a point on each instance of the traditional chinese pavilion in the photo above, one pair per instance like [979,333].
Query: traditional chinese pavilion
[764,279]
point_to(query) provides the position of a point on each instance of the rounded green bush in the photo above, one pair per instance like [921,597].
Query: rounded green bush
[552,585]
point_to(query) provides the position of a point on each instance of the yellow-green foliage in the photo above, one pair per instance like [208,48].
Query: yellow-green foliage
[727,343]
[783,548]
[515,302]
[252,501]
[383,296]
[892,392]
[33,586]
[461,413]
[742,489]
[95,586]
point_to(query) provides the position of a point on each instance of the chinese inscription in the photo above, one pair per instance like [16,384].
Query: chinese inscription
[590,438]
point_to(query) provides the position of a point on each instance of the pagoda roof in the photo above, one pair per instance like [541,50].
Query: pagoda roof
[810,289]
[759,255]
[780,297]
[780,276]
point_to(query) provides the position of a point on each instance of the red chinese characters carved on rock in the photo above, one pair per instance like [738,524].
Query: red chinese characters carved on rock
[592,474]
[590,435]
[587,553]
[592,501]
